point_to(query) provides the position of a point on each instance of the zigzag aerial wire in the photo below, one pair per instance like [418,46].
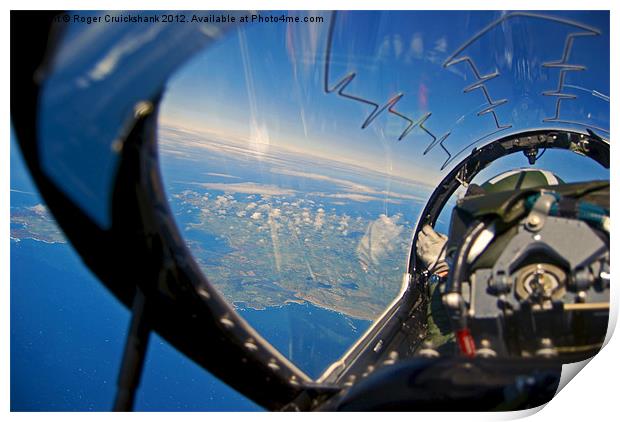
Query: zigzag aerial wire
[480,84]
[343,83]
[566,67]
[491,104]
[482,79]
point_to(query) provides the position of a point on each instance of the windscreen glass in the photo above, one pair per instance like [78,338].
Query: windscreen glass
[298,149]
[297,156]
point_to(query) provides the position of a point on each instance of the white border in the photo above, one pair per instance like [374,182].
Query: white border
[590,396]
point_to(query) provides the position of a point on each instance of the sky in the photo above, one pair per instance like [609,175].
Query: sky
[263,85]
[380,77]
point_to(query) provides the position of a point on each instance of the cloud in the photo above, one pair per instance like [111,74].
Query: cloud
[39,209]
[402,196]
[175,138]
[356,191]
[319,220]
[416,48]
[355,197]
[228,176]
[398,45]
[321,177]
[379,239]
[191,142]
[441,45]
[256,216]
[221,201]
[248,187]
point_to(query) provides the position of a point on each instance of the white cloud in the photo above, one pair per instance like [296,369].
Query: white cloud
[256,216]
[417,46]
[355,197]
[221,201]
[306,217]
[319,220]
[228,176]
[441,45]
[39,209]
[176,136]
[321,177]
[355,191]
[379,240]
[248,187]
[398,45]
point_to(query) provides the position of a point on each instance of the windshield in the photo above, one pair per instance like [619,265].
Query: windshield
[298,157]
[298,149]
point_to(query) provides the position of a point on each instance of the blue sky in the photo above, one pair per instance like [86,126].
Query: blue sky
[263,84]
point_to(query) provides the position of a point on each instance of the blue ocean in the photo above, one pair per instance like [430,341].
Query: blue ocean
[68,332]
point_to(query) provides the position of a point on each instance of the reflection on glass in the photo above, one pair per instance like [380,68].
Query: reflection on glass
[307,237]
[298,157]
[288,229]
